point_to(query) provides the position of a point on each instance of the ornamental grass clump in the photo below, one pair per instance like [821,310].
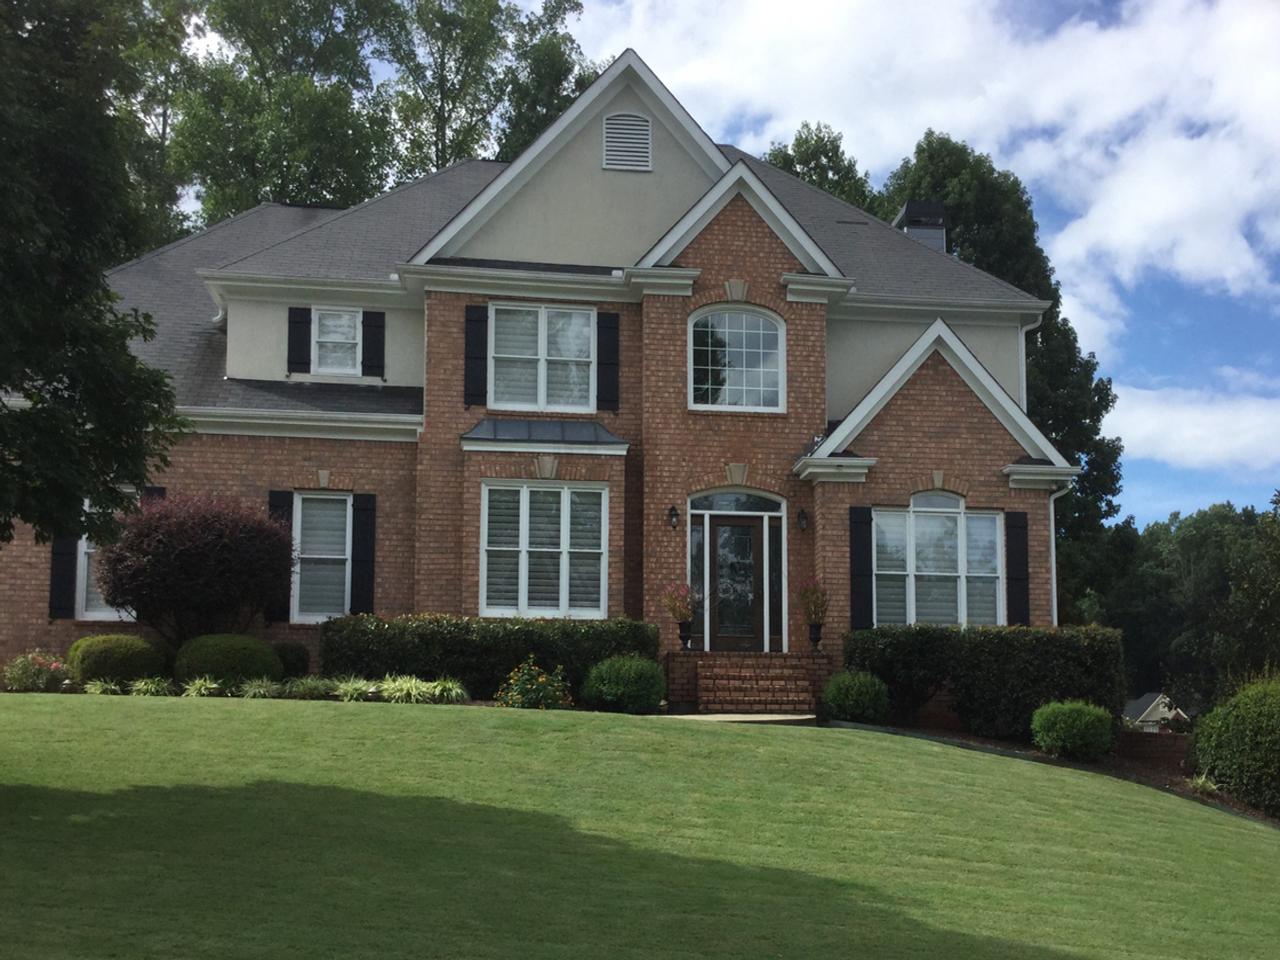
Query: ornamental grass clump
[406,689]
[309,688]
[355,689]
[529,687]
[259,688]
[202,687]
[449,690]
[104,688]
[35,672]
[151,687]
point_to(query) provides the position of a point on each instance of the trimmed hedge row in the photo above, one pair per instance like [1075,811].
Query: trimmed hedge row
[480,653]
[998,676]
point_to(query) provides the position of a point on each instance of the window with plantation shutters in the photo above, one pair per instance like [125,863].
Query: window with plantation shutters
[628,142]
[937,563]
[322,539]
[542,358]
[543,551]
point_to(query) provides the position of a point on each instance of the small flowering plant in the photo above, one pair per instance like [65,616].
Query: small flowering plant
[35,672]
[679,600]
[529,687]
[812,597]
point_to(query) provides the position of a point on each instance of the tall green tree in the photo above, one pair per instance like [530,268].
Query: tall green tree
[991,224]
[81,418]
[547,73]
[816,155]
[291,113]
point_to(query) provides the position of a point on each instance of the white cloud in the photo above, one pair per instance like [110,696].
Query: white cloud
[1245,380]
[1156,133]
[1198,428]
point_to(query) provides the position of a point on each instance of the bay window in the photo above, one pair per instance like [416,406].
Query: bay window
[542,358]
[938,563]
[543,550]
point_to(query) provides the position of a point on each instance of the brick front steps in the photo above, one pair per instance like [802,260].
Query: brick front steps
[775,683]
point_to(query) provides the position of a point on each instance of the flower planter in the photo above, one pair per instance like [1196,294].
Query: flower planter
[686,631]
[815,634]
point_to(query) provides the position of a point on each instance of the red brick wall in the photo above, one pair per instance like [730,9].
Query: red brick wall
[935,422]
[242,468]
[686,451]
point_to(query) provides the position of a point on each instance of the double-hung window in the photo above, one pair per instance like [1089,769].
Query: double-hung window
[938,563]
[542,358]
[336,341]
[322,539]
[544,550]
[89,602]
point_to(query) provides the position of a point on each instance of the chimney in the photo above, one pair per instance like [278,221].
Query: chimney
[924,220]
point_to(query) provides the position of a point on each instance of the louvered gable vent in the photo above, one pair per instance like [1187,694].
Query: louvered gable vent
[628,142]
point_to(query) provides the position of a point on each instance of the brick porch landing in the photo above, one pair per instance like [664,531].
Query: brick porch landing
[746,683]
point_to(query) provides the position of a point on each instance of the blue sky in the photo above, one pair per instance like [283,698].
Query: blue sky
[1147,133]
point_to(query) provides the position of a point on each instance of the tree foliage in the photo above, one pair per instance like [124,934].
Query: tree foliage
[81,417]
[816,155]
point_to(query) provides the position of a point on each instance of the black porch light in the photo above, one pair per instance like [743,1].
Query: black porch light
[802,519]
[673,516]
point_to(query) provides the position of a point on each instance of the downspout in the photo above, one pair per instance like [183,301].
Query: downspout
[1053,550]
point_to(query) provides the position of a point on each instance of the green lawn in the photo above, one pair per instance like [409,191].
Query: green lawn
[223,828]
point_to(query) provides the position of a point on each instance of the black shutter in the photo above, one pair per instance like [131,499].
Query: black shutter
[607,361]
[299,339]
[280,507]
[62,578]
[363,531]
[861,616]
[475,390]
[1018,579]
[153,493]
[373,352]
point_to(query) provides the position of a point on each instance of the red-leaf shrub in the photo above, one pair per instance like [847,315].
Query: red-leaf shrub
[193,565]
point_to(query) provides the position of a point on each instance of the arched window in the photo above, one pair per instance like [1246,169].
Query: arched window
[737,361]
[937,562]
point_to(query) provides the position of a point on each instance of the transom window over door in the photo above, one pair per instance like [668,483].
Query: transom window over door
[938,563]
[337,341]
[737,361]
[542,358]
[544,550]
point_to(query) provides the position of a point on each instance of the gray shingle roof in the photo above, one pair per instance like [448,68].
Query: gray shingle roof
[512,430]
[880,260]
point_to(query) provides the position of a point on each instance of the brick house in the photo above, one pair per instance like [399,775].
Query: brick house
[630,358]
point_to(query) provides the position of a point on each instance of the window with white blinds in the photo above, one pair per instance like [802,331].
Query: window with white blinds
[543,551]
[89,602]
[322,540]
[336,340]
[542,358]
[937,563]
[628,142]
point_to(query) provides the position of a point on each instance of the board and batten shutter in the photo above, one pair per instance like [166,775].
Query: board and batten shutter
[62,577]
[363,535]
[373,351]
[606,361]
[153,493]
[861,582]
[299,360]
[1018,577]
[475,389]
[280,507]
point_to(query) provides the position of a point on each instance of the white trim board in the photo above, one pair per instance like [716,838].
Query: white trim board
[522,446]
[627,68]
[394,427]
[740,180]
[942,339]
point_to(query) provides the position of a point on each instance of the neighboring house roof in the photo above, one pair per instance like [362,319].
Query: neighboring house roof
[1138,708]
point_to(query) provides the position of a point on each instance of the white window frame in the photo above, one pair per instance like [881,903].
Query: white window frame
[961,512]
[542,358]
[356,312]
[782,357]
[107,614]
[294,591]
[522,608]
[702,518]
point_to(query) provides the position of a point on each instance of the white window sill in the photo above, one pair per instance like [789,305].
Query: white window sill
[335,378]
[501,613]
[705,408]
[534,408]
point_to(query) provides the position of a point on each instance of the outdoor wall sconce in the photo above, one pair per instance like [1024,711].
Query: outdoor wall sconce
[802,519]
[673,517]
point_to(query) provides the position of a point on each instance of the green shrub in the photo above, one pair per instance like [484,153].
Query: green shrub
[151,687]
[259,688]
[856,697]
[1073,729]
[626,684]
[105,688]
[406,689]
[203,687]
[1000,676]
[478,652]
[35,672]
[529,687]
[1237,745]
[308,688]
[295,658]
[914,662]
[227,657]
[115,656]
[352,689]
